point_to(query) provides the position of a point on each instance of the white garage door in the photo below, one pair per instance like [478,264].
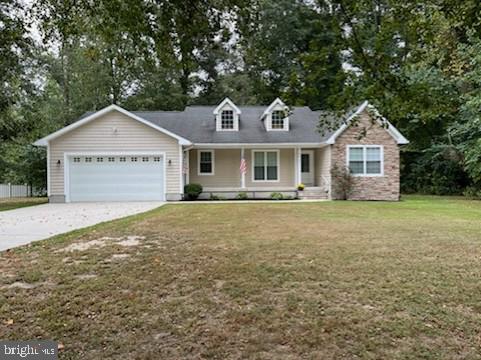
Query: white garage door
[116,178]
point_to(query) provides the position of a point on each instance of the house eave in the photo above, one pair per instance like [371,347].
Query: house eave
[258,145]
[269,109]
[45,140]
[396,135]
[223,103]
[41,142]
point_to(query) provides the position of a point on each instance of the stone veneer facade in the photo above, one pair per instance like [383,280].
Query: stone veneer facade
[384,187]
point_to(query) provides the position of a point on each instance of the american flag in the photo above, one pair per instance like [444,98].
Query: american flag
[243,166]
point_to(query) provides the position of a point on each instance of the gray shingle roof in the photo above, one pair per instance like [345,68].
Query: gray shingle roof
[197,124]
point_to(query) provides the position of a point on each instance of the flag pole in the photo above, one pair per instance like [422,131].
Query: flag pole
[243,173]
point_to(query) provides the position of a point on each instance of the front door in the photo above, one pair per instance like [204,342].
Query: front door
[307,167]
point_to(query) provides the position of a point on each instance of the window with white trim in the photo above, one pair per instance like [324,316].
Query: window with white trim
[76,159]
[365,159]
[206,162]
[227,120]
[277,122]
[266,165]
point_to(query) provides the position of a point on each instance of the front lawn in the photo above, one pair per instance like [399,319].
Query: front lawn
[14,203]
[329,280]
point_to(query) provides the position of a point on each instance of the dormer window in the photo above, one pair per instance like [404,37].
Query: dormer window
[277,120]
[227,120]
[227,116]
[276,116]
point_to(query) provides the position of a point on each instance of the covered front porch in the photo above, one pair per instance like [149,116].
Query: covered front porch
[259,170]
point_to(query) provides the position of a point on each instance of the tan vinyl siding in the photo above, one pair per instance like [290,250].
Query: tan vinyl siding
[286,170]
[227,173]
[323,167]
[226,169]
[98,136]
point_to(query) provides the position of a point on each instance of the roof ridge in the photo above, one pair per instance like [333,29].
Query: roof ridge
[172,111]
[261,106]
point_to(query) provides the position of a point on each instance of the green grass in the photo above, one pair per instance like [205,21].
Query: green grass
[14,203]
[331,280]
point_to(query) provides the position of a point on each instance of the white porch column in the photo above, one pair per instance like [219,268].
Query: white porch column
[295,167]
[181,169]
[243,175]
[298,167]
[187,166]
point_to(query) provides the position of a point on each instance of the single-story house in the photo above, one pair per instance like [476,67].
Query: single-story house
[119,155]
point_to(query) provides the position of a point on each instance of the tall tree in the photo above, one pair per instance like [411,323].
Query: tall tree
[118,34]
[14,51]
[61,23]
[292,49]
[186,36]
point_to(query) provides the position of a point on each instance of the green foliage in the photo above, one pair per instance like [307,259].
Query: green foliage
[472,192]
[437,170]
[14,49]
[277,196]
[472,161]
[280,196]
[466,131]
[342,182]
[291,49]
[420,64]
[216,197]
[192,191]
[23,164]
[242,196]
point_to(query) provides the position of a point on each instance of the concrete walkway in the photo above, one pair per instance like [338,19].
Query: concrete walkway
[22,226]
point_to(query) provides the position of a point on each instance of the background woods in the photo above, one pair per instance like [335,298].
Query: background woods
[418,62]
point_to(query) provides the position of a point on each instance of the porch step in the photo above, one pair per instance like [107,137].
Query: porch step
[312,193]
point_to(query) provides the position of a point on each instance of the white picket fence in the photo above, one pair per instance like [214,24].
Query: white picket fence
[13,191]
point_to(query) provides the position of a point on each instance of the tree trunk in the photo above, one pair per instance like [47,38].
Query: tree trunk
[64,59]
[113,88]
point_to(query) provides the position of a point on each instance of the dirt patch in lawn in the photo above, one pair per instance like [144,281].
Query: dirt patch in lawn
[119,257]
[131,240]
[85,276]
[82,246]
[19,285]
[335,280]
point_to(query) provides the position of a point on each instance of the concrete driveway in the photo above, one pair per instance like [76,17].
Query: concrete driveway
[22,226]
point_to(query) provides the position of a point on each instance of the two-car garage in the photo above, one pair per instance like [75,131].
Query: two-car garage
[114,155]
[114,177]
